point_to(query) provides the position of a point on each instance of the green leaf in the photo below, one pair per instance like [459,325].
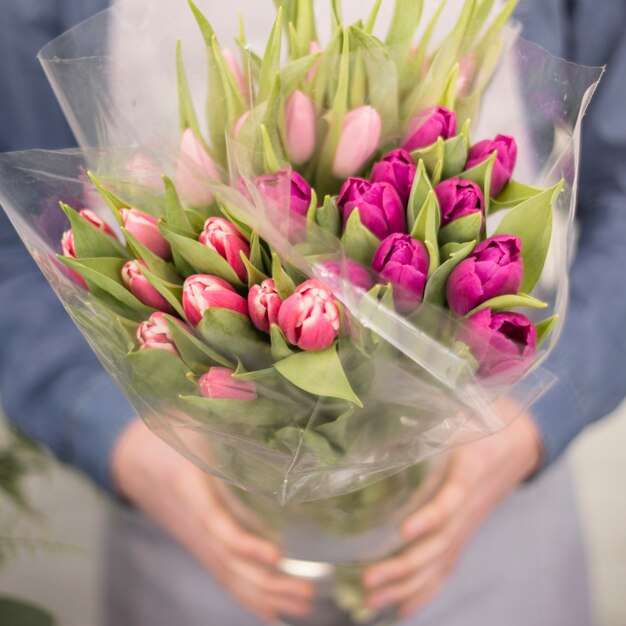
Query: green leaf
[172,292]
[175,214]
[318,373]
[89,240]
[271,59]
[373,16]
[359,243]
[305,25]
[233,98]
[155,263]
[280,345]
[468,228]
[270,160]
[545,327]
[419,193]
[226,412]
[255,277]
[506,303]
[435,292]
[481,175]
[433,157]
[404,23]
[328,216]
[105,275]
[531,221]
[205,26]
[17,613]
[285,285]
[449,95]
[115,203]
[197,355]
[456,150]
[256,252]
[426,229]
[159,375]
[188,117]
[232,334]
[292,74]
[202,259]
[513,194]
[338,431]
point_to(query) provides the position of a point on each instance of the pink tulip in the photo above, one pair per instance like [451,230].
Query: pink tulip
[141,288]
[301,127]
[237,71]
[202,292]
[146,171]
[194,169]
[222,236]
[264,304]
[145,228]
[218,383]
[358,142]
[310,318]
[428,126]
[154,334]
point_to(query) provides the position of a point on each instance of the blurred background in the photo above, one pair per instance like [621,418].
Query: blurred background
[57,558]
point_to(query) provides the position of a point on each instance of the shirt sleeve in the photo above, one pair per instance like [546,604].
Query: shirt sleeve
[52,386]
[589,359]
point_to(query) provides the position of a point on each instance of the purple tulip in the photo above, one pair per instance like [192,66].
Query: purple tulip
[379,205]
[356,274]
[403,261]
[223,237]
[264,304]
[145,228]
[504,164]
[154,334]
[459,198]
[288,198]
[202,292]
[495,268]
[428,126]
[358,142]
[397,169]
[310,318]
[141,288]
[219,383]
[502,343]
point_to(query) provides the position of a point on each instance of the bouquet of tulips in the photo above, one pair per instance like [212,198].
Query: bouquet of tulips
[338,275]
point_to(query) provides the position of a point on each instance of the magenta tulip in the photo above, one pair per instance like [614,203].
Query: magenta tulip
[495,268]
[403,261]
[506,148]
[202,292]
[264,304]
[222,236]
[379,205]
[397,169]
[218,383]
[141,288]
[154,334]
[428,126]
[145,229]
[502,343]
[195,169]
[358,142]
[349,270]
[459,198]
[310,318]
[301,130]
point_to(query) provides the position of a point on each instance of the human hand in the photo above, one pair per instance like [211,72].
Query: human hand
[184,500]
[478,477]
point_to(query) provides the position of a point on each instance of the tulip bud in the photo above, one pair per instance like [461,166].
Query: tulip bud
[154,334]
[348,269]
[301,127]
[218,383]
[141,288]
[504,165]
[145,229]
[288,198]
[403,261]
[358,142]
[145,171]
[379,205]
[223,237]
[264,304]
[495,268]
[502,343]
[397,169]
[237,71]
[428,126]
[202,292]
[194,169]
[459,198]
[310,318]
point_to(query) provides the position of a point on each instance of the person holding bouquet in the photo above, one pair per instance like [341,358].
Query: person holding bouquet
[505,510]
